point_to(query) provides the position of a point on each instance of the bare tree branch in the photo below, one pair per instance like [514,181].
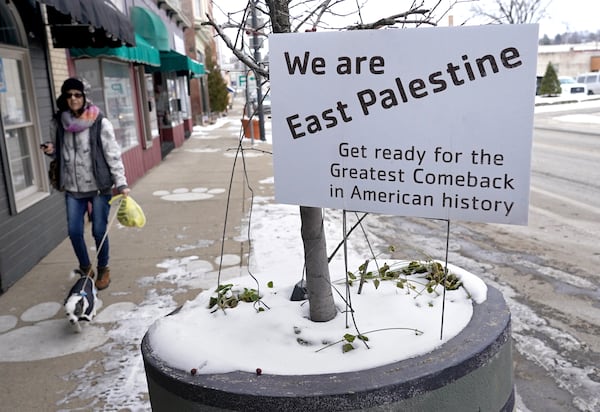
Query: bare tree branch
[513,11]
[321,8]
[312,12]
[247,60]
[395,19]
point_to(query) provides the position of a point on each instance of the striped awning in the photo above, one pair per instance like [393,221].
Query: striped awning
[88,23]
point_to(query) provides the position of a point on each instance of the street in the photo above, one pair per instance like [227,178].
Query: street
[547,271]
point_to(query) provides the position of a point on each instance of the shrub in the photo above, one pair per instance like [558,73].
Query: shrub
[217,88]
[550,85]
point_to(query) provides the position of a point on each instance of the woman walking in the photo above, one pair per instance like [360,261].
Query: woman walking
[89,166]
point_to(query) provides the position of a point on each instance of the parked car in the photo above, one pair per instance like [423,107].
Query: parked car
[591,80]
[538,84]
[570,86]
[266,104]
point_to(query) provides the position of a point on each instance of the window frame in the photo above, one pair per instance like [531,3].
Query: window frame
[19,200]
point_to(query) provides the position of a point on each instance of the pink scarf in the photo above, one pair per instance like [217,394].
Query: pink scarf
[77,124]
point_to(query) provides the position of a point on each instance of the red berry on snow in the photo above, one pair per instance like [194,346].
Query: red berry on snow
[193,371]
[259,371]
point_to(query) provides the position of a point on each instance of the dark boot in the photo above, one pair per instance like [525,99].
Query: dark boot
[103,277]
[85,271]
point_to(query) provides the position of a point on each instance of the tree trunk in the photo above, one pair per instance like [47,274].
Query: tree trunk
[318,283]
[279,12]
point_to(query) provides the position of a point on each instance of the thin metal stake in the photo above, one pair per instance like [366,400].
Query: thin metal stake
[348,307]
[444,278]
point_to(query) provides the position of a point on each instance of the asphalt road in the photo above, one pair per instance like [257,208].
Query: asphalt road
[548,270]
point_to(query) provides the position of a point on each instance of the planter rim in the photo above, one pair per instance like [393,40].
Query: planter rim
[486,334]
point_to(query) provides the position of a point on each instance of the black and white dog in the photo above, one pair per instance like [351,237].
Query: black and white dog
[81,301]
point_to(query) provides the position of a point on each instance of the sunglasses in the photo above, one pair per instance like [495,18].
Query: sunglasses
[75,95]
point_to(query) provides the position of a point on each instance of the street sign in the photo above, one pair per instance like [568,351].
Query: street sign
[242,79]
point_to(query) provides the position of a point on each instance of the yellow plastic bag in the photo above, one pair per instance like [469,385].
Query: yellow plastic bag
[129,214]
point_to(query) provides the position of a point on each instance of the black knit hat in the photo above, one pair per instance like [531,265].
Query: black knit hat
[72,84]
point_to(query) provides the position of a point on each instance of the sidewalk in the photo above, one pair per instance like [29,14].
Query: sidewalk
[45,366]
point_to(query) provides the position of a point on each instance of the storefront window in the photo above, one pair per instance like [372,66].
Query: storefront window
[112,91]
[152,110]
[184,97]
[89,70]
[119,103]
[174,105]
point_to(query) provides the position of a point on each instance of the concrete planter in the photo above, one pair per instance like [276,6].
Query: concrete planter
[471,372]
[251,133]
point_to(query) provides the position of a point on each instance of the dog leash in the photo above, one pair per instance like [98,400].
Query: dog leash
[93,262]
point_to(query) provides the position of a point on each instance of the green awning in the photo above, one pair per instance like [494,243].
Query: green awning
[196,67]
[142,53]
[150,27]
[171,61]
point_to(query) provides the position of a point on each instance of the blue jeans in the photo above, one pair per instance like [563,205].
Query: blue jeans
[76,210]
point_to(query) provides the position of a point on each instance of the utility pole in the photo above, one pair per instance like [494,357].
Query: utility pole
[256,46]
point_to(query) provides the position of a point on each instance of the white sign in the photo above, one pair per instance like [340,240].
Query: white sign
[430,122]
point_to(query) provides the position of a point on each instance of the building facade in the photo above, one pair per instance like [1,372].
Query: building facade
[133,55]
[198,41]
[569,59]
